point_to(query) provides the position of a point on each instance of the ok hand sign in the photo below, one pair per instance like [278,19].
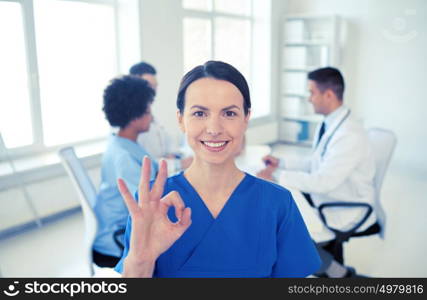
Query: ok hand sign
[152,231]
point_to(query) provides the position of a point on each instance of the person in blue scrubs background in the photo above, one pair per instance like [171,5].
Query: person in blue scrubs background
[213,220]
[127,105]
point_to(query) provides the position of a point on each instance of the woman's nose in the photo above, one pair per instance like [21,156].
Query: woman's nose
[214,126]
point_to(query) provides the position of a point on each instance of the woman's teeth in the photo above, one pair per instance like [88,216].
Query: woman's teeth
[214,145]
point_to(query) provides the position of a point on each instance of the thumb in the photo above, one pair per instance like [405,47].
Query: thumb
[185,221]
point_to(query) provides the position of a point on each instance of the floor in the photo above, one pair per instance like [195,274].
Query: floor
[55,250]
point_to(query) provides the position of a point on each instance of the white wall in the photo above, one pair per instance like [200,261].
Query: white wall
[49,196]
[385,67]
[129,47]
[161,33]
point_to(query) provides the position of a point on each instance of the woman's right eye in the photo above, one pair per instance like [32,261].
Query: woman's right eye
[199,113]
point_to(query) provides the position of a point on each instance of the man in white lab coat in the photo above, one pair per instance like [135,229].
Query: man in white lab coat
[341,168]
[157,141]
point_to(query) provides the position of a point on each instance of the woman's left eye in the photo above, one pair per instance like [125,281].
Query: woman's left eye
[230,113]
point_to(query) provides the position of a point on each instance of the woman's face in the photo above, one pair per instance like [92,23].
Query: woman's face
[214,120]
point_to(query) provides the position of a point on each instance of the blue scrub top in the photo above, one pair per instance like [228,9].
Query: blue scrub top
[122,159]
[258,233]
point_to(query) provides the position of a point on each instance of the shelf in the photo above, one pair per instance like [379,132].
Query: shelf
[307,118]
[309,42]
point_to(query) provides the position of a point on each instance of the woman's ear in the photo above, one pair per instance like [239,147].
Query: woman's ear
[179,116]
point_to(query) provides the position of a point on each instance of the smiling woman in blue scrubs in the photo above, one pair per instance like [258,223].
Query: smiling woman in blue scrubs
[213,220]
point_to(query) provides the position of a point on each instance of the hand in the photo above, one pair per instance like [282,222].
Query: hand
[152,231]
[266,174]
[271,161]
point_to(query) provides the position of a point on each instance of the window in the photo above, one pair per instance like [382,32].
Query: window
[57,56]
[204,5]
[197,42]
[76,51]
[233,43]
[15,110]
[227,30]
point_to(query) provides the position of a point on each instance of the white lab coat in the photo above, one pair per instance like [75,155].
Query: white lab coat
[157,141]
[159,144]
[341,168]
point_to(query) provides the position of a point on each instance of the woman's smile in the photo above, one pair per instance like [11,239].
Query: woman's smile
[214,146]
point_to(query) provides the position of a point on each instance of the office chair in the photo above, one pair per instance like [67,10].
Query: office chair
[87,197]
[383,143]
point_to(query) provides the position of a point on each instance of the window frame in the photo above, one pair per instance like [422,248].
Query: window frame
[212,15]
[28,21]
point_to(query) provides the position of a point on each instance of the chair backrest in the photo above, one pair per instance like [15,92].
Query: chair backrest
[383,143]
[87,197]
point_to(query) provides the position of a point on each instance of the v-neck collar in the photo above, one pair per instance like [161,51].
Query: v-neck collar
[202,203]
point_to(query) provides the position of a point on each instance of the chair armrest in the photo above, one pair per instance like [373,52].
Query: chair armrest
[345,235]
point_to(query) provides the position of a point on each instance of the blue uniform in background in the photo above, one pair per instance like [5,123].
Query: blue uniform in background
[122,159]
[258,233]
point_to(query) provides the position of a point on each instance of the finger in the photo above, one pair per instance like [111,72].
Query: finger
[186,218]
[157,190]
[144,183]
[175,200]
[127,196]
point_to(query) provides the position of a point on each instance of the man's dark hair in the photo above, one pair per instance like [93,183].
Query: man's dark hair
[142,68]
[217,70]
[328,78]
[126,99]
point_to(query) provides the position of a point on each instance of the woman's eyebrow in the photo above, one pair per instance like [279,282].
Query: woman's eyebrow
[205,108]
[199,107]
[231,107]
